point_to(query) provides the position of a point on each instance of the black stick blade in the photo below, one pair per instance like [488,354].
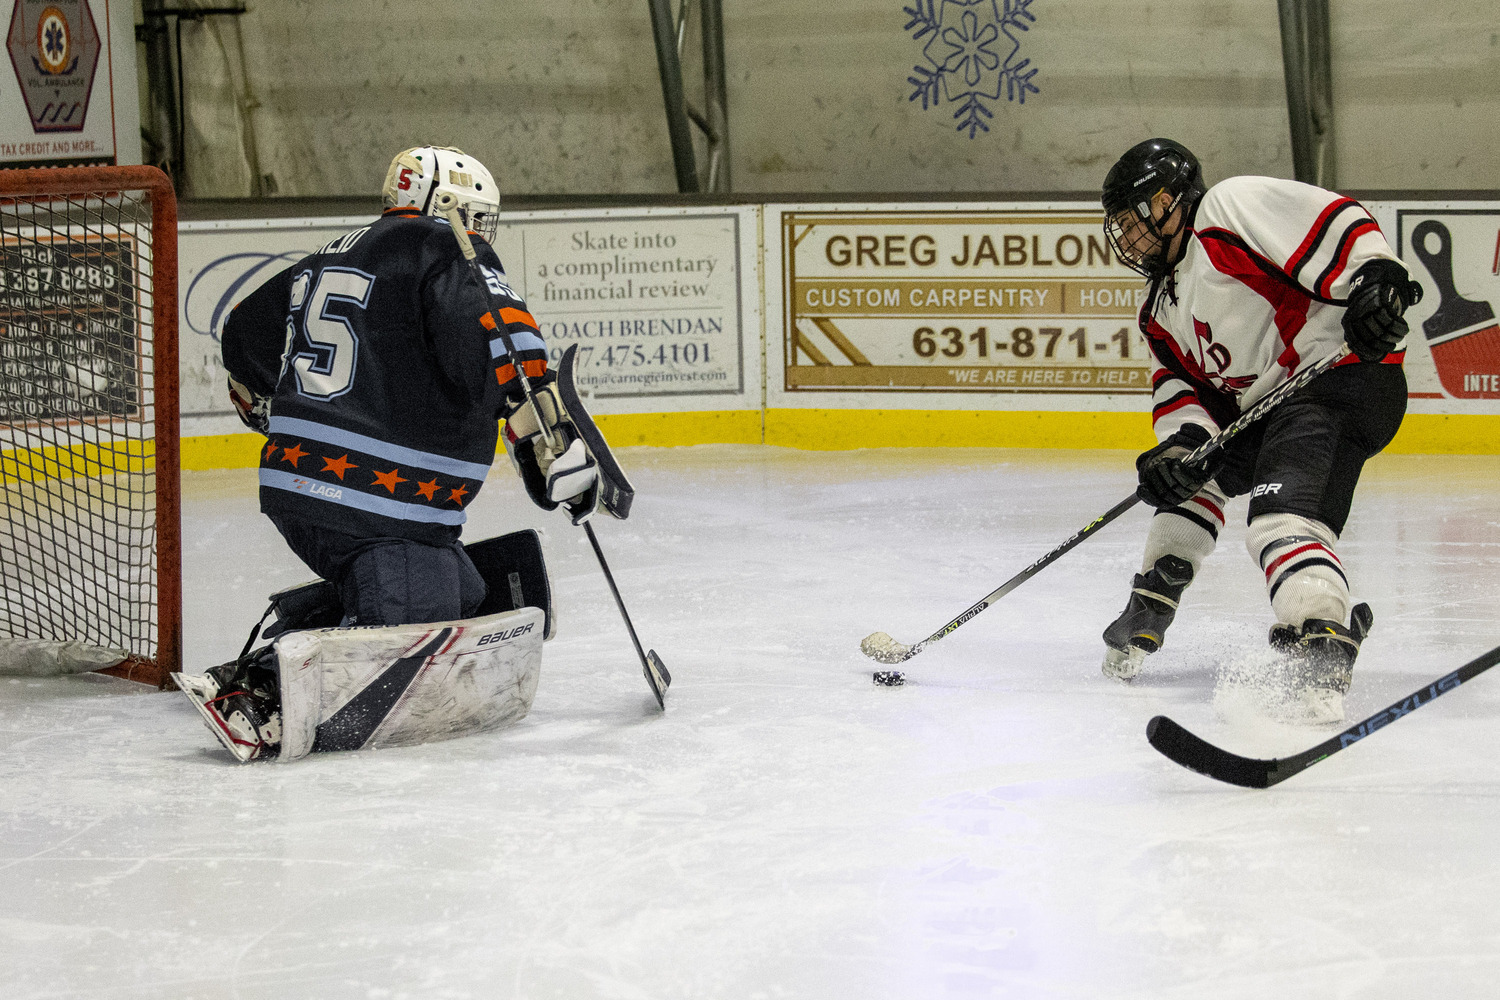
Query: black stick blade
[658,677]
[1181,746]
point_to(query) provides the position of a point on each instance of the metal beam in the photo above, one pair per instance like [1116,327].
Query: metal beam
[715,85]
[1307,66]
[670,68]
[713,122]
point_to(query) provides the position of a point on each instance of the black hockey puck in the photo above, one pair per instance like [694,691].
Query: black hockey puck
[889,678]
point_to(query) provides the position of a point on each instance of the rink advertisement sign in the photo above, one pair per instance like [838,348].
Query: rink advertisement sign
[1455,254]
[961,302]
[69,344]
[652,299]
[61,107]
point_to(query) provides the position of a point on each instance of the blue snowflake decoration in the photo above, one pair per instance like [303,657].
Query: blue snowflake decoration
[971,56]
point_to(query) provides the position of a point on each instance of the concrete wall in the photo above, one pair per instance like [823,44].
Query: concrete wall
[563,96]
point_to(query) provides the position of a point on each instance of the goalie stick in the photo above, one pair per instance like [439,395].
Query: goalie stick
[651,665]
[1197,754]
[656,671]
[883,648]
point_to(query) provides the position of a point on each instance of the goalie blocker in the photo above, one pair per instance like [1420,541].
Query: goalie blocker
[578,471]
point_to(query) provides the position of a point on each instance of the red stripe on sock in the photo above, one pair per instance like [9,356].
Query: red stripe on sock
[1279,560]
[1211,507]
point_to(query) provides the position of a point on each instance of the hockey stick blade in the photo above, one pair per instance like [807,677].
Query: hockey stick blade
[883,649]
[1197,754]
[657,676]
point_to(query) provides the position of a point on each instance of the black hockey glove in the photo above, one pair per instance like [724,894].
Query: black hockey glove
[1166,480]
[1378,296]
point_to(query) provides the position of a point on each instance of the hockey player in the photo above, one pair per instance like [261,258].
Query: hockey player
[376,371]
[1251,281]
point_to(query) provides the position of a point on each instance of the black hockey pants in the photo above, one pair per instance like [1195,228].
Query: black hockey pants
[389,581]
[1305,457]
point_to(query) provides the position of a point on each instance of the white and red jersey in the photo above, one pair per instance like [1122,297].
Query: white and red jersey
[1258,295]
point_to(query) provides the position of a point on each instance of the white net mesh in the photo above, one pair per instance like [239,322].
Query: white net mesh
[78,544]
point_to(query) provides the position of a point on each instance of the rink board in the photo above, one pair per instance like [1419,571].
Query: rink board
[837,325]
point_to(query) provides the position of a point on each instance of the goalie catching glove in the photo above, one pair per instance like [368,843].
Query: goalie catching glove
[561,473]
[254,410]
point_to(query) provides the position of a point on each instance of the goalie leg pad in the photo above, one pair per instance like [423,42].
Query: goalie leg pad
[311,605]
[516,574]
[364,688]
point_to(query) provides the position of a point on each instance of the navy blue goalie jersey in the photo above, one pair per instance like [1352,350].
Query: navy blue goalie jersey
[387,378]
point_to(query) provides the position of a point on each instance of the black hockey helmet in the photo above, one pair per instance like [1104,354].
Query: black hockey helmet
[1147,169]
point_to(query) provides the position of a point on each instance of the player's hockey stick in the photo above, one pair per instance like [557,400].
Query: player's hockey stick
[1199,755]
[656,671]
[881,647]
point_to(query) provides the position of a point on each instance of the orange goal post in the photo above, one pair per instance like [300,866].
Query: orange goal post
[90,545]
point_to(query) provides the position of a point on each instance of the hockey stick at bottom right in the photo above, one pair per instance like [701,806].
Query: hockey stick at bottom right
[1199,755]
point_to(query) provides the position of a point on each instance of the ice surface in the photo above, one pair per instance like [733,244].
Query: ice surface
[996,827]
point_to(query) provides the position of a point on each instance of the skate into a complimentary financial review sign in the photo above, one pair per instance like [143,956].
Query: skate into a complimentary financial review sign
[972,300]
[654,298]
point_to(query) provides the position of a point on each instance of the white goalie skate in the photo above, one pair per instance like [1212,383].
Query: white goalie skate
[244,718]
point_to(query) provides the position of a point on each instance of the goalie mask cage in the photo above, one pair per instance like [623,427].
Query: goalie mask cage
[90,551]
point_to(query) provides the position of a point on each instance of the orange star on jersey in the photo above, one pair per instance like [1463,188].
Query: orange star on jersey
[338,466]
[457,496]
[270,450]
[294,454]
[389,479]
[427,490]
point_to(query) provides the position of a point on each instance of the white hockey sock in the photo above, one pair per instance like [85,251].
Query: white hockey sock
[1188,531]
[1304,577]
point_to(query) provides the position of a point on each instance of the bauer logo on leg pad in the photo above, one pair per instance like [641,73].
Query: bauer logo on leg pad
[506,634]
[1265,488]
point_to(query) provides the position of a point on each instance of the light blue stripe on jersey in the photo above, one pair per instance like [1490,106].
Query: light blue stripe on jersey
[524,340]
[381,449]
[350,497]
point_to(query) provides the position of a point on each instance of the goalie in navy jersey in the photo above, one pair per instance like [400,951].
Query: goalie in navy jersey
[376,371]
[1252,281]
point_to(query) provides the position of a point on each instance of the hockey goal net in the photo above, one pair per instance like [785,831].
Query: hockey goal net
[90,545]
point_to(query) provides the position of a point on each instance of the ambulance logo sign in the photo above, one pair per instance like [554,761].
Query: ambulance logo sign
[54,49]
[971,51]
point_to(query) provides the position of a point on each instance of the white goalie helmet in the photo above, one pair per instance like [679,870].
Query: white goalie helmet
[417,175]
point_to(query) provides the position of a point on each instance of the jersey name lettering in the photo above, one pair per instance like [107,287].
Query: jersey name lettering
[345,242]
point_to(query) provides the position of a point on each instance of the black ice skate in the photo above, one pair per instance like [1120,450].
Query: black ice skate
[240,703]
[1142,626]
[1322,654]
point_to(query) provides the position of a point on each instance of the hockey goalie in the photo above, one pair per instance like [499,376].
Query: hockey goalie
[378,369]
